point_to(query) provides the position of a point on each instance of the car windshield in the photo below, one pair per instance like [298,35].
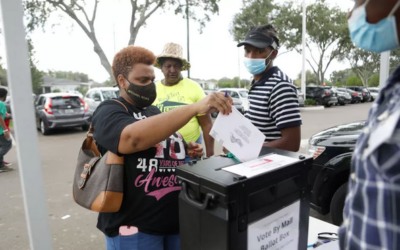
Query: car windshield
[66,102]
[373,91]
[244,94]
[109,94]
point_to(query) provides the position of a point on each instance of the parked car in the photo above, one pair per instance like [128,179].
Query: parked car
[8,102]
[343,96]
[96,96]
[363,91]
[332,150]
[300,97]
[61,110]
[374,93]
[321,95]
[240,98]
[355,97]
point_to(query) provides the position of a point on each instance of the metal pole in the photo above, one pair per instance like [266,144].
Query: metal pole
[20,86]
[239,66]
[188,41]
[303,72]
[385,68]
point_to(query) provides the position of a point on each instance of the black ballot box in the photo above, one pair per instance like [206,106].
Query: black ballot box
[225,210]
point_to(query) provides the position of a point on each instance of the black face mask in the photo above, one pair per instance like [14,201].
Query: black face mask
[142,95]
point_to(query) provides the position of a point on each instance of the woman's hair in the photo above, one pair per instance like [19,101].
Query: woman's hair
[127,57]
[268,30]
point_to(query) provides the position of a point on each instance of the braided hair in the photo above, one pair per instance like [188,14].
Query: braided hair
[268,30]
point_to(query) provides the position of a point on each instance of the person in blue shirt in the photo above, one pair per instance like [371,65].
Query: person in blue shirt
[5,140]
[372,207]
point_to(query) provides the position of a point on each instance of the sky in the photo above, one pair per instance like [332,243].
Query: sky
[213,54]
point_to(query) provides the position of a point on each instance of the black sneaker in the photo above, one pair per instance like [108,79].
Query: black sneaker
[5,169]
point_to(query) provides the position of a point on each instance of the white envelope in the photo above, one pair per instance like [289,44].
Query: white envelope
[237,134]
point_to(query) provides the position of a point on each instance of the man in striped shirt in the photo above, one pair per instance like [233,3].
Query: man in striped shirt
[274,107]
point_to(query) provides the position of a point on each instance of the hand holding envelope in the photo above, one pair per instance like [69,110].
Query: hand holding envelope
[238,135]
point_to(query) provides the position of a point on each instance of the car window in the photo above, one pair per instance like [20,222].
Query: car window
[96,95]
[66,102]
[234,94]
[244,94]
[373,91]
[108,94]
[89,94]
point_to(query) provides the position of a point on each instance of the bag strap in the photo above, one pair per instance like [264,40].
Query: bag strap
[91,128]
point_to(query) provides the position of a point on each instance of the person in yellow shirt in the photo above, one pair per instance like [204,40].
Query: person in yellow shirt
[175,91]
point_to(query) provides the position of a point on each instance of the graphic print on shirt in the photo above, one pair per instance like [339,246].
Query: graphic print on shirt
[168,106]
[169,154]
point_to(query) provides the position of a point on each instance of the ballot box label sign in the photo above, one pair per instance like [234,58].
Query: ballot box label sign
[278,231]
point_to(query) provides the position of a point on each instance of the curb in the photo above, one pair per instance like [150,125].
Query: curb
[312,108]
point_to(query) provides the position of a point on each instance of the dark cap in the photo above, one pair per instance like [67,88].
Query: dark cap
[258,40]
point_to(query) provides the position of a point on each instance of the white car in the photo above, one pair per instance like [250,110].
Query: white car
[240,98]
[96,96]
[374,93]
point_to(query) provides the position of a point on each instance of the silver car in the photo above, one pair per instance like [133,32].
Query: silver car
[374,93]
[96,96]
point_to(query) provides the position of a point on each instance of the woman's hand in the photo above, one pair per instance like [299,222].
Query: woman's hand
[215,101]
[194,150]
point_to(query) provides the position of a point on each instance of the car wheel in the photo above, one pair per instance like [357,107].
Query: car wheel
[43,128]
[337,205]
[343,103]
[85,127]
[318,102]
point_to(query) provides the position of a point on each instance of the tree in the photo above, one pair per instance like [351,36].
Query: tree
[364,63]
[253,13]
[311,78]
[36,75]
[338,84]
[82,89]
[374,81]
[328,32]
[3,76]
[354,81]
[38,12]
[110,82]
[341,75]
[56,91]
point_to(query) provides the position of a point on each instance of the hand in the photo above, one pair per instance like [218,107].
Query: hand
[216,101]
[194,150]
[7,134]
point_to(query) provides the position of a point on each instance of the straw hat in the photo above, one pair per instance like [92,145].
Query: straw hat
[172,50]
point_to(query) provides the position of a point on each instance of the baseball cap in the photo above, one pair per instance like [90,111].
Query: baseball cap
[258,40]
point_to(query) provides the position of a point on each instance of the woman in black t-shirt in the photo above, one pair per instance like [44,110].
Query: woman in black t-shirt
[148,217]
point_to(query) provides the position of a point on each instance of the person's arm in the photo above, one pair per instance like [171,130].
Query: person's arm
[290,140]
[285,111]
[144,134]
[5,129]
[206,125]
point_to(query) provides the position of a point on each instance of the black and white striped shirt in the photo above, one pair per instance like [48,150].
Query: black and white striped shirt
[274,104]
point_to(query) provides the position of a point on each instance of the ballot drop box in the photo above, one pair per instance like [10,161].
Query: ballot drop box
[257,205]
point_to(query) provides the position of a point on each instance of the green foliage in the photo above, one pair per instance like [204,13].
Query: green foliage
[338,84]
[374,81]
[74,76]
[354,81]
[311,78]
[327,31]
[342,75]
[233,83]
[110,82]
[253,13]
[82,89]
[56,91]
[309,102]
[3,76]
[37,75]
[364,63]
[83,12]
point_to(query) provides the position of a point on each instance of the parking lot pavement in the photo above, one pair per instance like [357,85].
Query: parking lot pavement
[78,232]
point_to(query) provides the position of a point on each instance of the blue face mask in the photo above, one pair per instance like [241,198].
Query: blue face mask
[378,37]
[256,66]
